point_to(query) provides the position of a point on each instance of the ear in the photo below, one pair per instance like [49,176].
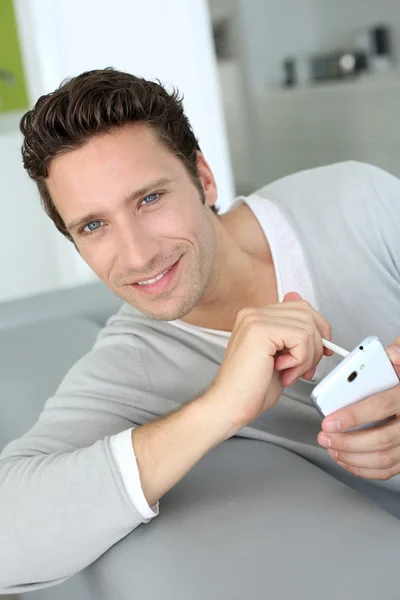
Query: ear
[207,180]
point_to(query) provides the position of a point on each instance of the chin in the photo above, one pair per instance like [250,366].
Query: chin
[168,309]
[169,306]
[166,313]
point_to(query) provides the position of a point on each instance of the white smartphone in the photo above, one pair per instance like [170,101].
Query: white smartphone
[366,371]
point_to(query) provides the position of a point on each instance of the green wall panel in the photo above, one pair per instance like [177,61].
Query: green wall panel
[13,95]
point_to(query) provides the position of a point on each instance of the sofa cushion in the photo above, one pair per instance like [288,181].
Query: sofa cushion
[94,302]
[34,360]
[253,520]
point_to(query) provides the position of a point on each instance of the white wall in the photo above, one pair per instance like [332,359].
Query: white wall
[267,127]
[165,39]
[309,126]
[26,266]
[274,29]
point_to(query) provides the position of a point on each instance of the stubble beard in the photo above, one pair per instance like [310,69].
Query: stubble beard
[181,302]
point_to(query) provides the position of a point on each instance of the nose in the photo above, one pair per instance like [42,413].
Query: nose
[136,247]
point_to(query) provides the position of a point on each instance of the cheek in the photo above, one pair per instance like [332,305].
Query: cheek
[175,226]
[99,257]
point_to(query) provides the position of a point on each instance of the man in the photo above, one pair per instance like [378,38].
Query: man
[213,329]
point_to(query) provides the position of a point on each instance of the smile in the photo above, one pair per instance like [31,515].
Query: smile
[159,284]
[154,280]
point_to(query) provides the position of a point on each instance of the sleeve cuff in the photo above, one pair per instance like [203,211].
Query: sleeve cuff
[124,455]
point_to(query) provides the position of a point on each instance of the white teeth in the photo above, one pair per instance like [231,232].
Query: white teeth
[153,280]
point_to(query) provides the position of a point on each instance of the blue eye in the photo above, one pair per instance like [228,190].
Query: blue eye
[92,226]
[150,199]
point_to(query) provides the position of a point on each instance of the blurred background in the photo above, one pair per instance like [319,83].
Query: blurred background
[308,82]
[270,86]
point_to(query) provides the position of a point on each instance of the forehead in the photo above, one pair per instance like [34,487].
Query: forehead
[111,163]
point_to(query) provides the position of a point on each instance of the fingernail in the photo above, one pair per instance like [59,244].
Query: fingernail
[333,453]
[324,440]
[331,426]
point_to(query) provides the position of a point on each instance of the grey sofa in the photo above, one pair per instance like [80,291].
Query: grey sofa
[251,520]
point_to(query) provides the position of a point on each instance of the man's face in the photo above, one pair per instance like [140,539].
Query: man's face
[137,219]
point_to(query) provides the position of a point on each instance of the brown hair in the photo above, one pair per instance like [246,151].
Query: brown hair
[96,102]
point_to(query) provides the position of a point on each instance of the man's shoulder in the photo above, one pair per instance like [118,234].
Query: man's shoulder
[130,323]
[146,354]
[340,173]
[130,327]
[350,185]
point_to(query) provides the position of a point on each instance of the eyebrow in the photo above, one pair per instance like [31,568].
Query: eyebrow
[94,216]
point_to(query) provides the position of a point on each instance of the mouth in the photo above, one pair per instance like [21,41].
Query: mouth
[155,279]
[157,284]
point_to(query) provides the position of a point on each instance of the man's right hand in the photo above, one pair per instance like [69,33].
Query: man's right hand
[269,348]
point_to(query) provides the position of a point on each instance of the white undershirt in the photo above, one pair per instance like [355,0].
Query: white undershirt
[291,269]
[292,275]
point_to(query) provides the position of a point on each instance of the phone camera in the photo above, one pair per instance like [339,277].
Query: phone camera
[361,347]
[352,376]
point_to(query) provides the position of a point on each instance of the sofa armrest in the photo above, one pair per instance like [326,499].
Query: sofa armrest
[94,301]
[251,520]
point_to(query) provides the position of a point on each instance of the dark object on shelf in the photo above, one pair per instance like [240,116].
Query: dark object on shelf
[337,65]
[381,59]
[376,43]
[381,41]
[289,70]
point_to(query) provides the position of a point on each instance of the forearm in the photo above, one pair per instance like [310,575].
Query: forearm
[58,514]
[168,448]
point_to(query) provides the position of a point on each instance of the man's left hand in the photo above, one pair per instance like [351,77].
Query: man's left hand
[372,453]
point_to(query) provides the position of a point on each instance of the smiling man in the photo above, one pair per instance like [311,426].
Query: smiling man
[146,235]
[221,331]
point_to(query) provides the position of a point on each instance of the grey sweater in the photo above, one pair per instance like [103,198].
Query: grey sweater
[62,499]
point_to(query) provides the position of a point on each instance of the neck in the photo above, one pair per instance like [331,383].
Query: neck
[243,274]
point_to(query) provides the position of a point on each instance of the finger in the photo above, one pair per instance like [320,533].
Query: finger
[310,374]
[292,375]
[384,437]
[324,329]
[396,342]
[374,408]
[271,337]
[317,349]
[291,297]
[318,353]
[286,359]
[298,336]
[384,459]
[365,473]
[322,325]
[293,310]
[394,354]
[298,340]
[303,311]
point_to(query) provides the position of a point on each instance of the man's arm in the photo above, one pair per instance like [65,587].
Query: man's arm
[169,447]
[248,383]
[62,499]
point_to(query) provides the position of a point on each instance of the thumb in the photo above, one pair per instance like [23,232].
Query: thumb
[393,351]
[291,296]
